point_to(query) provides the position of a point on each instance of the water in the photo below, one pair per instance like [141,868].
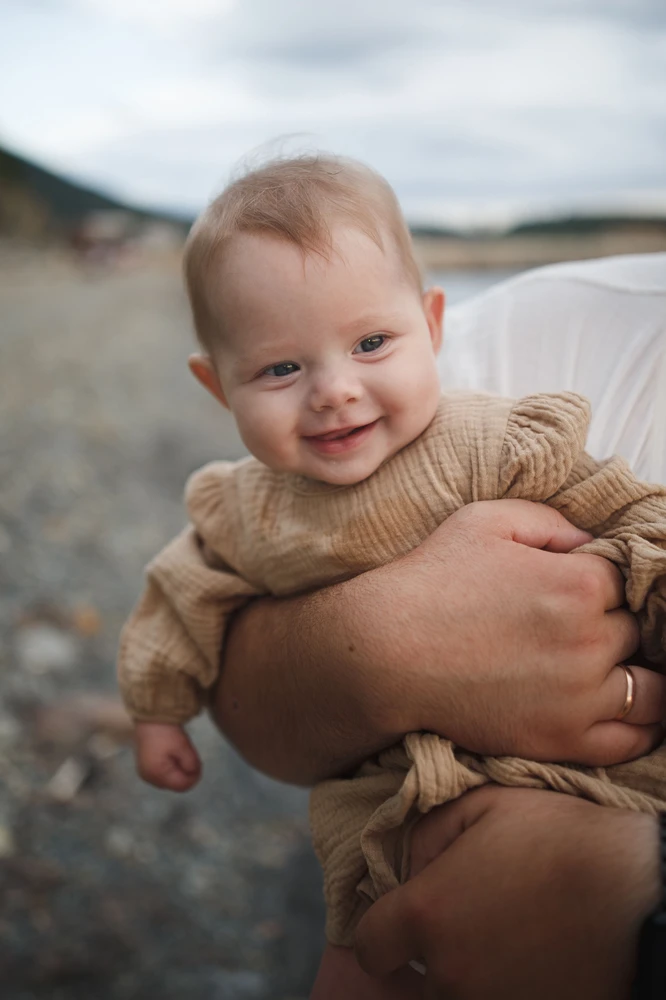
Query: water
[461,285]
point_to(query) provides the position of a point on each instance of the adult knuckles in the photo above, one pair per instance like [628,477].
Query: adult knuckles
[572,610]
[478,523]
[587,585]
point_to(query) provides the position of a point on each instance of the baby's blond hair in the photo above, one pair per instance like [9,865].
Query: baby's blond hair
[298,200]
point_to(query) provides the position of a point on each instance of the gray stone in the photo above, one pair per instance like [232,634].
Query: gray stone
[42,648]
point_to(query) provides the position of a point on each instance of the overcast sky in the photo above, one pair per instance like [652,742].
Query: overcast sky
[473,109]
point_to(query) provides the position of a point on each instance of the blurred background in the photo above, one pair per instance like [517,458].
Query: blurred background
[515,132]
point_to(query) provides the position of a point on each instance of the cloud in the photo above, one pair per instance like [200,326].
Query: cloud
[462,106]
[162,16]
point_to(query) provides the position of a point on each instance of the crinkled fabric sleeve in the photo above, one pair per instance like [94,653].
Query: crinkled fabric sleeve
[543,459]
[170,646]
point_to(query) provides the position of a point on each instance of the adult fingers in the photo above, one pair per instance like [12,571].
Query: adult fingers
[390,933]
[603,576]
[621,636]
[565,537]
[649,696]
[608,743]
[531,524]
[387,936]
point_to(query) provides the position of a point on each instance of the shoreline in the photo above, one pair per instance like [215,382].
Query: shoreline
[525,251]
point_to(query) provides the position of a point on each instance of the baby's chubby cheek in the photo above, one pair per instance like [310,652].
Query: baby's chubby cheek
[419,400]
[273,441]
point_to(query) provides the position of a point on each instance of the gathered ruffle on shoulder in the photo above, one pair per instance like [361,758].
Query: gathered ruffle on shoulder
[545,437]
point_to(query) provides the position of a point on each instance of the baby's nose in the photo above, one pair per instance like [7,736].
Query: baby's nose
[334,391]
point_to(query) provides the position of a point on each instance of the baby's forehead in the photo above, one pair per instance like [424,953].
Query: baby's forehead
[266,287]
[253,261]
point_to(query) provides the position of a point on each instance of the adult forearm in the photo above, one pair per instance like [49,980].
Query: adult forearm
[477,635]
[303,692]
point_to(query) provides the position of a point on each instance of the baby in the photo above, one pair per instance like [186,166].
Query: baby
[315,333]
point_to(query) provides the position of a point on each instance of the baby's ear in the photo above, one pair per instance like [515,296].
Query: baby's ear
[433,307]
[204,372]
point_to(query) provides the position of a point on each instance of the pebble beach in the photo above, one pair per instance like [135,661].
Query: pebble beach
[110,889]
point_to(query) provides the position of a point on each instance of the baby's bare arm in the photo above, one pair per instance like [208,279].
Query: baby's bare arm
[477,634]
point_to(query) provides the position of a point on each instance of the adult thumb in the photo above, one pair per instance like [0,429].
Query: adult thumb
[387,938]
[390,934]
[538,526]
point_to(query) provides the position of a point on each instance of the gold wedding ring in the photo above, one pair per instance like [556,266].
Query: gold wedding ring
[629,697]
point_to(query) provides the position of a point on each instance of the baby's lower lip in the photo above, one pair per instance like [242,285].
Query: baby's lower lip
[335,446]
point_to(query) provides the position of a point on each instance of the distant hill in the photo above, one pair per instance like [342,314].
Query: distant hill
[565,225]
[540,241]
[584,225]
[421,231]
[36,203]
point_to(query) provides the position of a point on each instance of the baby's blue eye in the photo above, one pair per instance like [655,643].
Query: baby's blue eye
[370,344]
[285,368]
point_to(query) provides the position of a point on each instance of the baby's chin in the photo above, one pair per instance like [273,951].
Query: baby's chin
[333,475]
[343,477]
[351,467]
[343,472]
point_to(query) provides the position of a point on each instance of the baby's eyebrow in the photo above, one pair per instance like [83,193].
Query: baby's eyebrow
[258,359]
[370,322]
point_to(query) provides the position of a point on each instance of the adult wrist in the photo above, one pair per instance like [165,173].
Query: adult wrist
[391,646]
[377,649]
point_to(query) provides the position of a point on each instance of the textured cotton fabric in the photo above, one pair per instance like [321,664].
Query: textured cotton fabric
[254,531]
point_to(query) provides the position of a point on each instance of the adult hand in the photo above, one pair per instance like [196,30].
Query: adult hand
[477,634]
[519,656]
[535,895]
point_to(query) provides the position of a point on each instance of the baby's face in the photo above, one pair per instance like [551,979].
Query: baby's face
[328,367]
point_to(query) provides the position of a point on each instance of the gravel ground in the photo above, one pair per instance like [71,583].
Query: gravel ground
[109,889]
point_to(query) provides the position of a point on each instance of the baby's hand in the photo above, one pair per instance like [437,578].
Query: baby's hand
[165,756]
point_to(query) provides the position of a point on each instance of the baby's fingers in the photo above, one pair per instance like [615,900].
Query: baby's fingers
[169,774]
[178,780]
[187,758]
[176,768]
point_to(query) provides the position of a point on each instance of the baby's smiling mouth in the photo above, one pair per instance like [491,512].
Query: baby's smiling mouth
[340,439]
[342,432]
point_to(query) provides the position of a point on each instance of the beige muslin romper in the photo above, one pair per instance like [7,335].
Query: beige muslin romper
[254,531]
